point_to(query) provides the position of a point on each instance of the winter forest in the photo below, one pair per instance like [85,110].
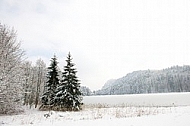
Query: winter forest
[173,79]
[50,88]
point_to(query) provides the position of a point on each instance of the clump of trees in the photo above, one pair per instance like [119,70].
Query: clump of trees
[62,94]
[22,83]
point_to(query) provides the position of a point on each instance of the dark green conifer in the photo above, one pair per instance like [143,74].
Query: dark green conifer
[68,93]
[52,83]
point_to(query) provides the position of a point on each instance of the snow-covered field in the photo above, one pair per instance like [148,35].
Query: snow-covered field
[112,111]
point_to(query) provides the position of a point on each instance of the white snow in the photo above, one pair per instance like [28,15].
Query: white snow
[113,116]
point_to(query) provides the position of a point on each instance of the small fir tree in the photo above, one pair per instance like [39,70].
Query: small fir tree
[52,83]
[68,94]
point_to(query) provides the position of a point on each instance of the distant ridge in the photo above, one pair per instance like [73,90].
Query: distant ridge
[173,79]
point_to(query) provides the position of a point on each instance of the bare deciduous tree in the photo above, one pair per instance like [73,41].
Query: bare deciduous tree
[41,79]
[10,70]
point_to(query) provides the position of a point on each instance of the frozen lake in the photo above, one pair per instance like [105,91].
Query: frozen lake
[159,99]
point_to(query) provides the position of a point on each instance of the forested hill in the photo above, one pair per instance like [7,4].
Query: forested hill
[174,79]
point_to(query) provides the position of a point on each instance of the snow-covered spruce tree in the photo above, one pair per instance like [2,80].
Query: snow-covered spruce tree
[69,96]
[51,85]
[10,71]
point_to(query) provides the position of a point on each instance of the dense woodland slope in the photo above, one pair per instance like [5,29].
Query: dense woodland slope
[174,79]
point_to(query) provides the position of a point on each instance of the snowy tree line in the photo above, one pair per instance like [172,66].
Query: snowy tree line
[86,91]
[174,79]
[21,83]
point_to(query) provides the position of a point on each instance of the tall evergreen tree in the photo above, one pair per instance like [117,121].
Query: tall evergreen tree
[52,83]
[68,93]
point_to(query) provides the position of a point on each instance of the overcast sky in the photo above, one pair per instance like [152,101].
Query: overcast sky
[107,38]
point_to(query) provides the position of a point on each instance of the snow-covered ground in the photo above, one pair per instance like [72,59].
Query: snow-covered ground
[175,115]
